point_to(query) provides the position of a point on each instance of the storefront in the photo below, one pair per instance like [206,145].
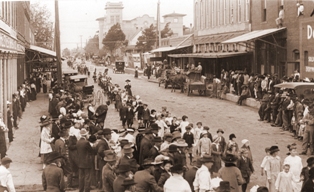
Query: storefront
[307,48]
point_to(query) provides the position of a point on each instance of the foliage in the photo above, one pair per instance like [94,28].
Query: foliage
[114,39]
[166,32]
[92,46]
[42,26]
[147,40]
[66,52]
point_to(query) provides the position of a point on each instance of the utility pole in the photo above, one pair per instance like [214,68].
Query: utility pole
[158,24]
[81,41]
[57,43]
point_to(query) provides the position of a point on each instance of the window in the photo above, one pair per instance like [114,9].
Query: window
[118,19]
[306,58]
[231,13]
[112,19]
[247,10]
[224,12]
[296,54]
[201,16]
[264,10]
[213,18]
[218,12]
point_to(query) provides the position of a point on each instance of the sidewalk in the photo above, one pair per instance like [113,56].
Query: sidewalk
[26,168]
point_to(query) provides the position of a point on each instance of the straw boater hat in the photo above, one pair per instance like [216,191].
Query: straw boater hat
[127,148]
[244,141]
[180,143]
[160,159]
[44,120]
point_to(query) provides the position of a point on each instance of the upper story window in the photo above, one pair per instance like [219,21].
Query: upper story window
[239,11]
[112,19]
[264,10]
[247,10]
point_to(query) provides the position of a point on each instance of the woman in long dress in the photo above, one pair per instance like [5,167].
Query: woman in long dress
[273,167]
[296,166]
[45,139]
[216,154]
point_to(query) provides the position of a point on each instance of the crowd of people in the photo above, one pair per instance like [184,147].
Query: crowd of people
[163,153]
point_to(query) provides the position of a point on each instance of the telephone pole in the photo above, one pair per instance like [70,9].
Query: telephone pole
[57,43]
[158,24]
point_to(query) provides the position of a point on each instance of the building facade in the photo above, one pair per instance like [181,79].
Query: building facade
[114,14]
[15,37]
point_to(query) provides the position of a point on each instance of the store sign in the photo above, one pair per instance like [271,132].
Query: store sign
[7,42]
[311,59]
[310,34]
[43,69]
[309,69]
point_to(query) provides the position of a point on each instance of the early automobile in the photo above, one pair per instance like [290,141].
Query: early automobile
[300,89]
[78,84]
[119,67]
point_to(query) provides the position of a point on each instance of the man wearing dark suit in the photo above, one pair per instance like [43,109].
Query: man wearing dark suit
[146,115]
[245,165]
[154,151]
[54,102]
[55,130]
[146,145]
[145,180]
[129,116]
[108,175]
[85,161]
[123,171]
[127,158]
[102,146]
[123,112]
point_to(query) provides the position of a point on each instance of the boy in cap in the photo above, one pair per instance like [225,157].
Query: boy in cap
[189,139]
[5,175]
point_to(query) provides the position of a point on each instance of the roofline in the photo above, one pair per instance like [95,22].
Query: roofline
[174,14]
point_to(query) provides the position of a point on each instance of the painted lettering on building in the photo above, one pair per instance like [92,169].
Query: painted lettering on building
[310,32]
[309,69]
[311,59]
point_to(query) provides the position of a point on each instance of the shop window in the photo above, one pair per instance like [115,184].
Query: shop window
[296,54]
[306,58]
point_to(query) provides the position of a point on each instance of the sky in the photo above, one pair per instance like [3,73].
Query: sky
[78,17]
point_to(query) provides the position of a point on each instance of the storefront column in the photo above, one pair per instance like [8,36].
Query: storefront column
[1,86]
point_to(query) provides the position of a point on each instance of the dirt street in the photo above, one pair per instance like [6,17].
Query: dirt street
[240,120]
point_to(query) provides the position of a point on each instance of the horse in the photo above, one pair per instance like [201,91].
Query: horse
[177,81]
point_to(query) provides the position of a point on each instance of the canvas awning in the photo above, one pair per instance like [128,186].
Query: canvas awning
[43,50]
[253,35]
[165,49]
[209,55]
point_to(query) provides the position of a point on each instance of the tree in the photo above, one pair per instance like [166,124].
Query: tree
[42,26]
[92,46]
[66,52]
[114,39]
[166,32]
[147,40]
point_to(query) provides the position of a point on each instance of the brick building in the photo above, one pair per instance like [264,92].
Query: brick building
[15,37]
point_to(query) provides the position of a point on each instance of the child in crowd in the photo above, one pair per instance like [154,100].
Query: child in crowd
[163,126]
[204,145]
[245,165]
[183,124]
[152,117]
[146,115]
[189,139]
[284,180]
[264,161]
[224,91]
[209,135]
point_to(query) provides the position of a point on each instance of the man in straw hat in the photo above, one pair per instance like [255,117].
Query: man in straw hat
[108,175]
[5,175]
[52,177]
[85,161]
[202,180]
[145,180]
[123,171]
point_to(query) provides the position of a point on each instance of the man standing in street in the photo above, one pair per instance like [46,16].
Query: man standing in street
[108,175]
[145,146]
[85,161]
[202,180]
[6,181]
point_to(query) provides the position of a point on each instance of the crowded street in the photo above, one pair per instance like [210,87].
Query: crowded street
[214,113]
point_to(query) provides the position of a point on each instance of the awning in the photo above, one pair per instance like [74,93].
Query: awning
[210,55]
[253,35]
[43,50]
[206,39]
[165,49]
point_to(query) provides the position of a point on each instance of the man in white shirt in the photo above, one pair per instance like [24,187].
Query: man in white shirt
[202,182]
[6,181]
[176,182]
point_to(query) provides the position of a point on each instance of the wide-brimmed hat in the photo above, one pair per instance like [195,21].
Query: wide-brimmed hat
[230,158]
[172,148]
[160,159]
[176,135]
[128,80]
[224,186]
[221,131]
[167,135]
[148,161]
[123,168]
[207,158]
[110,156]
[273,149]
[128,182]
[123,142]
[83,132]
[44,120]
[106,131]
[154,126]
[180,143]
[53,156]
[128,148]
[157,140]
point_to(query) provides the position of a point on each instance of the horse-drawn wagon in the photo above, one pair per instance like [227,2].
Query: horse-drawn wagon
[195,81]
[119,67]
